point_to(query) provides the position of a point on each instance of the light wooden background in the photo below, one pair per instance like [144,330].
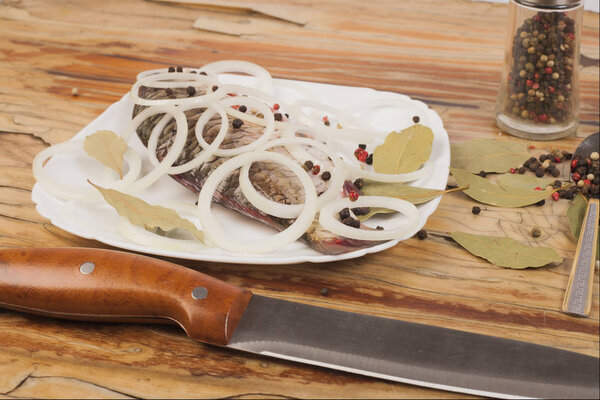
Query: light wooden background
[446,53]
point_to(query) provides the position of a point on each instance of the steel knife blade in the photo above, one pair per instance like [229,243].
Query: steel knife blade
[93,284]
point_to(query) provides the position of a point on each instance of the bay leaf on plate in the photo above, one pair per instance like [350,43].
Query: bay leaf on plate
[107,148]
[403,152]
[489,155]
[413,194]
[506,252]
[523,182]
[483,191]
[148,216]
[575,215]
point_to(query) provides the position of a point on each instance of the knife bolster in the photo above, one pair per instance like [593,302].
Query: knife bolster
[121,287]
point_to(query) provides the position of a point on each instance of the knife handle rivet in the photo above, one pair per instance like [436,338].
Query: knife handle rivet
[199,293]
[87,268]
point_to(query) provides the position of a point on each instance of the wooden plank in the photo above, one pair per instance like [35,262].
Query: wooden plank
[420,48]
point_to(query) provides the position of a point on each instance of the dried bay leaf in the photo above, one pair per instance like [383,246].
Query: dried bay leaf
[506,252]
[575,215]
[489,155]
[403,152]
[486,192]
[523,182]
[413,194]
[148,216]
[107,148]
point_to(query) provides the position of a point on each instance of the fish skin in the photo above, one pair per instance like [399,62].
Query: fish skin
[272,181]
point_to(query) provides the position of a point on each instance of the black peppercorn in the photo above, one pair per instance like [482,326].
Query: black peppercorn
[361,210]
[554,172]
[307,165]
[353,222]
[422,234]
[324,291]
[278,117]
[482,174]
[536,232]
[369,159]
[540,203]
[540,171]
[215,88]
[344,213]
[243,108]
[237,123]
[179,68]
[202,73]
[416,119]
[379,228]
[190,90]
[362,146]
[359,183]
[171,69]
[522,170]
[476,210]
[326,175]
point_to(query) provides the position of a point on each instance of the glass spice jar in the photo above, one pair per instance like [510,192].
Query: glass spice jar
[539,92]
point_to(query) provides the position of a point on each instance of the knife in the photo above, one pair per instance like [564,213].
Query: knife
[105,285]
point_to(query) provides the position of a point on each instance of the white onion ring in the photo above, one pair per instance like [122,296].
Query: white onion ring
[175,80]
[331,223]
[199,129]
[147,73]
[212,227]
[267,132]
[265,81]
[131,158]
[292,210]
[175,150]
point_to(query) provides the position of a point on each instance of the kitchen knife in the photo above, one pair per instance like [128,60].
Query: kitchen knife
[103,285]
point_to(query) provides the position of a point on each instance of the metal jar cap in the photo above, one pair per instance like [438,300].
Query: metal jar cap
[550,4]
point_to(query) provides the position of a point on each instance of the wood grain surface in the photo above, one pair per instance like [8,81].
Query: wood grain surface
[446,53]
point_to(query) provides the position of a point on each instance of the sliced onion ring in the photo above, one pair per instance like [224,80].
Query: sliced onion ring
[175,80]
[268,131]
[276,209]
[265,81]
[212,227]
[331,223]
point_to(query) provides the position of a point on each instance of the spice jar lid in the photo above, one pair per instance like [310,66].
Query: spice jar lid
[550,3]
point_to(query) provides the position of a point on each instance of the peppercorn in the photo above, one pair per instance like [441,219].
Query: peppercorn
[416,119]
[353,196]
[422,234]
[237,123]
[594,156]
[243,108]
[482,174]
[379,228]
[362,146]
[554,172]
[555,196]
[275,106]
[576,176]
[359,183]
[179,68]
[171,69]
[324,291]
[169,92]
[278,117]
[361,210]
[541,202]
[522,170]
[326,175]
[362,156]
[344,213]
[315,170]
[539,172]
[556,184]
[476,210]
[353,222]
[215,88]
[369,159]
[536,232]
[202,73]
[190,90]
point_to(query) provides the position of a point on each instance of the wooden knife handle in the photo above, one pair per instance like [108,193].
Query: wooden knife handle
[94,284]
[578,297]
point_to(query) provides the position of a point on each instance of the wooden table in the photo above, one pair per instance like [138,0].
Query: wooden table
[446,53]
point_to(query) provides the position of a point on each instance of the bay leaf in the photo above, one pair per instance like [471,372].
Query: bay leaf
[148,216]
[523,182]
[506,252]
[483,191]
[575,215]
[413,194]
[489,155]
[403,152]
[107,148]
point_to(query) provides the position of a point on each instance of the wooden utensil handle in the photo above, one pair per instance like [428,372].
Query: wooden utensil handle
[578,297]
[94,284]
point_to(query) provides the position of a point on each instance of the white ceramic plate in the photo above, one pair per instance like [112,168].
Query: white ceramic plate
[100,223]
